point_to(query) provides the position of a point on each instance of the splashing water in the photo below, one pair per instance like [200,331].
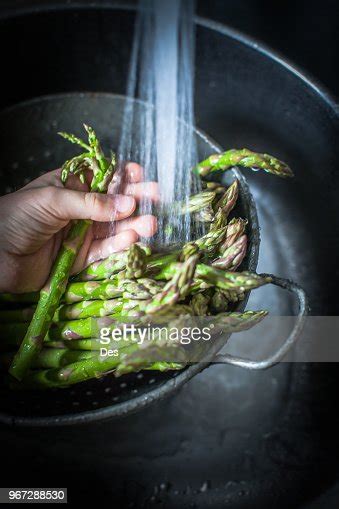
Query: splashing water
[158,127]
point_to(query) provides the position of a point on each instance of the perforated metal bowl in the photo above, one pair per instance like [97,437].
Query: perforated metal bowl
[39,148]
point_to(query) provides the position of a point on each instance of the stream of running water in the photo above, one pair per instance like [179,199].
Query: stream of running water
[158,123]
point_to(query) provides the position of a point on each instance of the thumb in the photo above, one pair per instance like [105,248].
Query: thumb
[68,204]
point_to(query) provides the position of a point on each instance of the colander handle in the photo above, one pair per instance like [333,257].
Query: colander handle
[290,341]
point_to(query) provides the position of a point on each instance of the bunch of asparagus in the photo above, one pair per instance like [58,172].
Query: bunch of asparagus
[51,339]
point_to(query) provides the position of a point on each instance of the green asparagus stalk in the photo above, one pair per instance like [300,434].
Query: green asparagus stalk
[142,288]
[194,204]
[219,301]
[232,257]
[59,357]
[176,289]
[136,262]
[244,158]
[216,187]
[200,304]
[72,329]
[53,290]
[235,229]
[198,202]
[51,358]
[87,309]
[228,281]
[237,322]
[210,242]
[225,205]
[76,344]
[205,215]
[104,269]
[231,281]
[83,309]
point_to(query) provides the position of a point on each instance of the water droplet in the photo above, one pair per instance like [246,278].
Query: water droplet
[165,486]
[205,486]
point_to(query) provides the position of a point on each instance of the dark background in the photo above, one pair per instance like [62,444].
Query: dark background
[306,33]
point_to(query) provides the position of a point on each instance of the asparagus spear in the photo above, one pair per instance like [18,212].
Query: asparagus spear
[200,304]
[59,357]
[136,262]
[104,269]
[142,288]
[115,263]
[228,281]
[213,186]
[210,242]
[235,229]
[244,158]
[198,202]
[231,281]
[76,344]
[87,309]
[194,203]
[175,289]
[82,309]
[73,329]
[205,215]
[225,205]
[53,290]
[219,301]
[232,257]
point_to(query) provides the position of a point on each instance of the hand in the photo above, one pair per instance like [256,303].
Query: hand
[35,219]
